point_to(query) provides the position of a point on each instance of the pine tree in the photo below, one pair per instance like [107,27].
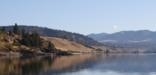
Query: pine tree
[3,29]
[50,46]
[15,29]
[36,40]
[32,39]
[23,33]
[10,33]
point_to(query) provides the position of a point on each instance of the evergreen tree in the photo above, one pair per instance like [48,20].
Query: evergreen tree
[36,40]
[15,29]
[50,46]
[32,39]
[23,33]
[10,33]
[3,29]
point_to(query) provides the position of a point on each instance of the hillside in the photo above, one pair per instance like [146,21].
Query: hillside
[79,38]
[34,39]
[97,36]
[143,40]
[20,43]
[66,45]
[127,37]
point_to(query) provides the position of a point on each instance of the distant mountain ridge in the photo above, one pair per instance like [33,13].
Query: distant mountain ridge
[97,36]
[43,31]
[126,37]
[143,40]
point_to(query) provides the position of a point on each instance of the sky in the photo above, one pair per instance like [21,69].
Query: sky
[81,16]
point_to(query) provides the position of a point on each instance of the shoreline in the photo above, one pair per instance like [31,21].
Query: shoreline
[18,54]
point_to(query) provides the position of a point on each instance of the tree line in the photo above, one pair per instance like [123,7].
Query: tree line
[30,39]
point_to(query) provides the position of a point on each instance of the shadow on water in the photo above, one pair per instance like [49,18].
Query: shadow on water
[87,64]
[24,66]
[37,65]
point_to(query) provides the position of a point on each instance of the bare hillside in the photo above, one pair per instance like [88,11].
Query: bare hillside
[66,45]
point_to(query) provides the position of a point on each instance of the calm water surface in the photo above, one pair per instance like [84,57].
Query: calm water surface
[87,64]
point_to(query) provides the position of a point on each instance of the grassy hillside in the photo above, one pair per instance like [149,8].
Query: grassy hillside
[24,43]
[27,40]
[79,38]
[66,45]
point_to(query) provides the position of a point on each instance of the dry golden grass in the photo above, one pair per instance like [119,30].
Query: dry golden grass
[7,43]
[66,45]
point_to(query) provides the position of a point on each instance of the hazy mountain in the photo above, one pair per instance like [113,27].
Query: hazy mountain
[126,37]
[97,36]
[143,40]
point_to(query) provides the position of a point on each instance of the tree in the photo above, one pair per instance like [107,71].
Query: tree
[36,40]
[25,38]
[107,51]
[50,46]
[23,33]
[32,39]
[2,29]
[10,33]
[15,29]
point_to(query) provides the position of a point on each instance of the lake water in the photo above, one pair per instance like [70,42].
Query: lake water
[86,64]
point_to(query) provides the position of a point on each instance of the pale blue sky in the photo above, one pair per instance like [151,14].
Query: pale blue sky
[81,16]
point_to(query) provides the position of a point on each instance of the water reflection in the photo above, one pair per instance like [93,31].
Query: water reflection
[23,66]
[87,64]
[122,65]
